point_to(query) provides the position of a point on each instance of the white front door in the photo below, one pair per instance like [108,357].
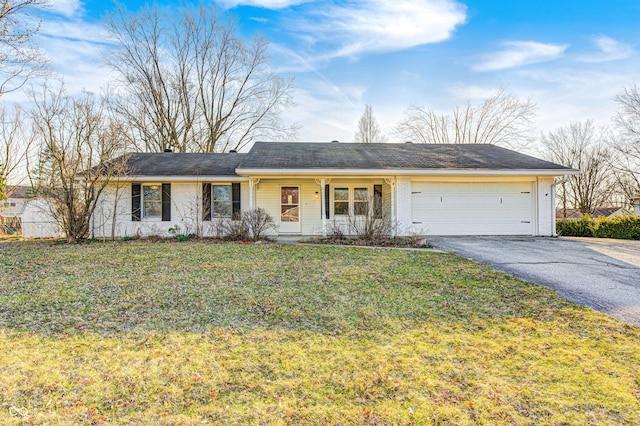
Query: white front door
[290,210]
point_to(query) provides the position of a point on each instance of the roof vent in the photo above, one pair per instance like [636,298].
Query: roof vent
[408,142]
[233,151]
[168,150]
[335,141]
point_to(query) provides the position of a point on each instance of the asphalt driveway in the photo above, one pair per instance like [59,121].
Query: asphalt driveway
[600,273]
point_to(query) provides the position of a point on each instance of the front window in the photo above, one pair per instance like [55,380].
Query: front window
[152,201]
[341,201]
[360,201]
[221,201]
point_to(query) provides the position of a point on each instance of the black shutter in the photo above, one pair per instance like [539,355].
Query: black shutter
[206,201]
[377,201]
[235,198]
[136,195]
[166,202]
[327,204]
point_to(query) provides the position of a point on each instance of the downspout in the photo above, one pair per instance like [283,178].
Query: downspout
[564,179]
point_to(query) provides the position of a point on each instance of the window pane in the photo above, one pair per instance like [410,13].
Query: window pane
[222,193]
[152,200]
[341,194]
[360,194]
[289,213]
[360,208]
[289,195]
[341,207]
[221,209]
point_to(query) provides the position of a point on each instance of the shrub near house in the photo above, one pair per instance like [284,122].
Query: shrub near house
[625,227]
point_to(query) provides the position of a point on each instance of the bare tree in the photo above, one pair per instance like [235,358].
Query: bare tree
[584,147]
[14,147]
[192,83]
[501,119]
[78,143]
[368,129]
[19,59]
[627,164]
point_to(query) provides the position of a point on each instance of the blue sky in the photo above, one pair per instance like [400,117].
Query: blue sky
[569,57]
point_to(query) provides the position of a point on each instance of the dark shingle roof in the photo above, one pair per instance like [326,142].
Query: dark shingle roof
[183,164]
[293,155]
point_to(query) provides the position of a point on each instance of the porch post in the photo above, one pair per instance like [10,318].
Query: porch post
[252,192]
[323,204]
[394,225]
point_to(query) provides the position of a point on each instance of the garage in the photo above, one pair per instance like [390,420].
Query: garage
[473,208]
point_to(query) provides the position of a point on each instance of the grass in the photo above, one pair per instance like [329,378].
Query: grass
[190,333]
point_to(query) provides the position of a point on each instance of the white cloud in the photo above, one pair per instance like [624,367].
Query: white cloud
[264,4]
[66,8]
[518,53]
[365,26]
[470,92]
[609,49]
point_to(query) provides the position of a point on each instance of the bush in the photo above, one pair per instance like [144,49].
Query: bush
[621,227]
[582,227]
[625,227]
[250,225]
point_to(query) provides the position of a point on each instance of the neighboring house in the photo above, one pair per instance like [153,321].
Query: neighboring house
[28,215]
[596,213]
[309,188]
[636,205]
[12,209]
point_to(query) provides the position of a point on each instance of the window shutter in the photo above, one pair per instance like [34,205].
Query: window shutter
[136,195]
[206,201]
[377,201]
[235,198]
[166,202]
[327,203]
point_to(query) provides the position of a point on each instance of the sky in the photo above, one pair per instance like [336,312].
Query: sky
[569,57]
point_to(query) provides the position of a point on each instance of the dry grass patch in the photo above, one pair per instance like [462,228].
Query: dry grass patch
[182,333]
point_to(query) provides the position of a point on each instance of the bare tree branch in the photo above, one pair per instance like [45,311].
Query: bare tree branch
[81,149]
[193,83]
[501,119]
[368,129]
[581,146]
[19,59]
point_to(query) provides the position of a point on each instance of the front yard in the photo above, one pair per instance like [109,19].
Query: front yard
[182,333]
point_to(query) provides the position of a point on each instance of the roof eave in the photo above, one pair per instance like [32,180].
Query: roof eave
[404,172]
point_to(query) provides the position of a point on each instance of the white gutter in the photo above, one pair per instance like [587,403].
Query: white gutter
[564,179]
[404,172]
[183,178]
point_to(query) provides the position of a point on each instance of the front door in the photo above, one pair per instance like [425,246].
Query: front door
[290,210]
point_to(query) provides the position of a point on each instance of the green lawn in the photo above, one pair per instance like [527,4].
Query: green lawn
[189,333]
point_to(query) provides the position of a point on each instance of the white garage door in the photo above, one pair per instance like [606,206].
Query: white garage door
[467,208]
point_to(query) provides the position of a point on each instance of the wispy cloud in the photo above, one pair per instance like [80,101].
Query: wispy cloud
[264,4]
[471,92]
[366,26]
[68,8]
[608,49]
[518,53]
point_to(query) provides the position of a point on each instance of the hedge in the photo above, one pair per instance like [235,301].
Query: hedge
[626,227]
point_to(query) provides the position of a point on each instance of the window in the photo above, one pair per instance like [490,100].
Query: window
[360,201]
[351,200]
[222,201]
[341,201]
[152,201]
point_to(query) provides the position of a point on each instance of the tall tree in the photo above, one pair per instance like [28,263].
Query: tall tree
[627,162]
[14,146]
[193,83]
[19,59]
[501,119]
[582,146]
[80,151]
[368,128]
